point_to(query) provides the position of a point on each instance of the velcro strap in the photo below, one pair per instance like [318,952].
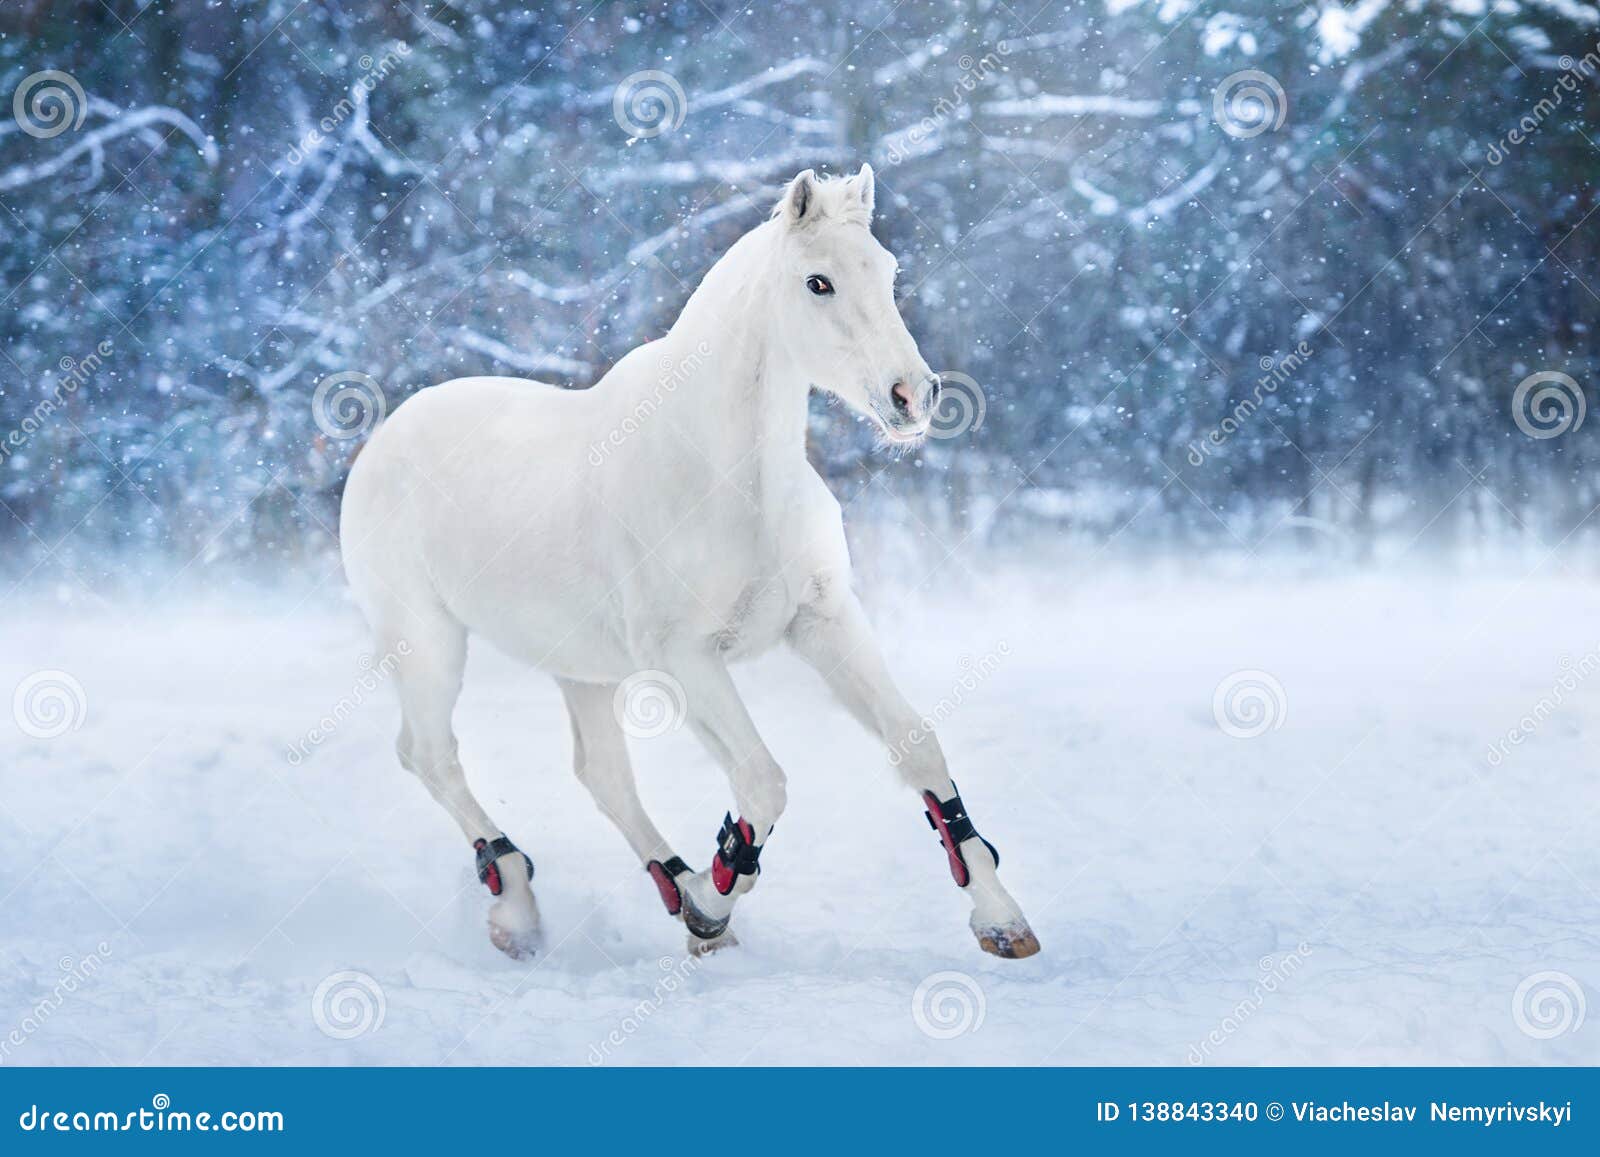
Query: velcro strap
[488,852]
[737,854]
[954,827]
[956,820]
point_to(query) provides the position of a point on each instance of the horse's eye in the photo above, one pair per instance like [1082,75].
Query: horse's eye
[818,285]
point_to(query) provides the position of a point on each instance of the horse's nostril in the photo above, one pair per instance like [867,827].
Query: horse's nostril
[901,396]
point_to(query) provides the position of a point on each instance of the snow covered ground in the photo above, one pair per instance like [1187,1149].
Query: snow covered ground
[1360,884]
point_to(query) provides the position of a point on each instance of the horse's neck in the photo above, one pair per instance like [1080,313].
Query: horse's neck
[749,413]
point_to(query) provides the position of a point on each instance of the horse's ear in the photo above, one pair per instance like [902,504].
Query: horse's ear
[800,202]
[866,188]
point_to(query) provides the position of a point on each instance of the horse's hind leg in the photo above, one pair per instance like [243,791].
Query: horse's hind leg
[431,654]
[600,758]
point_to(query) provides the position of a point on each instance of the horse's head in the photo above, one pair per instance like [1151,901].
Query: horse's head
[836,316]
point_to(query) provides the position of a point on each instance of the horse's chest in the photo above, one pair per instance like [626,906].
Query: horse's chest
[738,573]
[757,618]
[739,593]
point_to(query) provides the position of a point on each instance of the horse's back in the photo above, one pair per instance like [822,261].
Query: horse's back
[448,479]
[467,407]
[472,418]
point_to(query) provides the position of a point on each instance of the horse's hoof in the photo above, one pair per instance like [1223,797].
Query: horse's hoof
[1011,941]
[514,931]
[517,945]
[699,947]
[702,926]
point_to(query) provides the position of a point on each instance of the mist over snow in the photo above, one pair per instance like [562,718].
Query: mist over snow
[1358,871]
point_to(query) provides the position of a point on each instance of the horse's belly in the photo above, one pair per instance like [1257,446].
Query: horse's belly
[588,656]
[551,621]
[592,645]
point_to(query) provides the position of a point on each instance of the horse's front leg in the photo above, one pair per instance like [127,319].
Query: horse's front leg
[719,718]
[837,640]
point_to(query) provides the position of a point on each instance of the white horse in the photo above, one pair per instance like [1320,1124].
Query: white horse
[649,531]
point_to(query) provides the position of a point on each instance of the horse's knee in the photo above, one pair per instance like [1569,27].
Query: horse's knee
[433,763]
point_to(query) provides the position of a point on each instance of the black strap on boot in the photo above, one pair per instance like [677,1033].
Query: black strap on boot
[737,854]
[954,827]
[488,852]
